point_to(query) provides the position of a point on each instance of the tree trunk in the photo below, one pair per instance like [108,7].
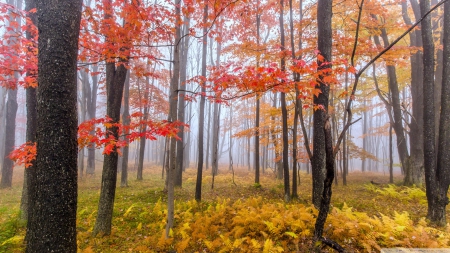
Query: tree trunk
[215,142]
[126,122]
[26,203]
[53,226]
[82,116]
[396,110]
[201,120]
[172,118]
[11,110]
[91,109]
[324,47]
[439,200]
[147,97]
[257,97]
[416,125]
[284,116]
[115,82]
[10,116]
[181,107]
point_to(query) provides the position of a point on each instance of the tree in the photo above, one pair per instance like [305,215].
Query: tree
[173,117]
[126,122]
[11,110]
[284,116]
[201,121]
[26,203]
[115,81]
[53,227]
[321,100]
[437,175]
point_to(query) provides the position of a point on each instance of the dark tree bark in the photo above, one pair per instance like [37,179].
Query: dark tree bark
[298,102]
[173,117]
[428,115]
[396,120]
[416,125]
[437,198]
[26,203]
[115,81]
[324,46]
[126,122]
[143,129]
[208,137]
[53,226]
[257,97]
[284,116]
[182,107]
[201,120]
[391,158]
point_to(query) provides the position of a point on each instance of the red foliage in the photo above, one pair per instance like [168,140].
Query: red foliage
[25,154]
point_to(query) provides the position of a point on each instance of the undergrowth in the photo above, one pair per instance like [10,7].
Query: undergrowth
[242,217]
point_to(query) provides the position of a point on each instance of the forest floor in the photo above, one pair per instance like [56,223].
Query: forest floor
[240,216]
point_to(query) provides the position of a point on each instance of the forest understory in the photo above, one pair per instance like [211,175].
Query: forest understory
[241,217]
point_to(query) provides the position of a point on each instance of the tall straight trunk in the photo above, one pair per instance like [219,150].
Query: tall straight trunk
[126,122]
[187,156]
[147,97]
[3,93]
[10,125]
[173,117]
[324,46]
[344,140]
[230,141]
[82,115]
[249,168]
[215,142]
[257,114]
[391,157]
[284,116]
[273,136]
[29,182]
[416,125]
[181,107]
[365,137]
[428,109]
[216,123]
[298,104]
[439,200]
[436,24]
[208,136]
[201,120]
[54,190]
[91,110]
[115,82]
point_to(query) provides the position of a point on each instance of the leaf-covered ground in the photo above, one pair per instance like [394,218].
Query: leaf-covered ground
[240,216]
